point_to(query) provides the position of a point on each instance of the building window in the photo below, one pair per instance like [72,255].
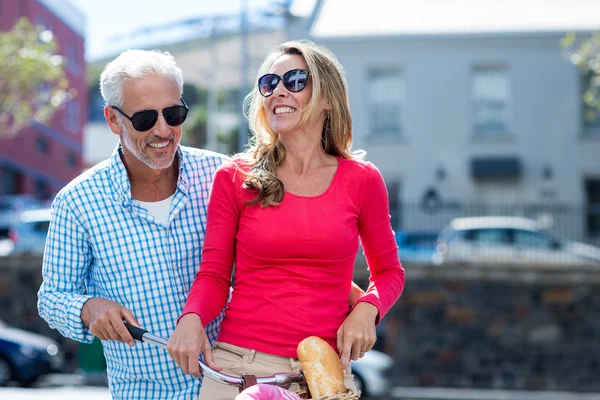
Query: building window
[11,181]
[42,190]
[42,145]
[592,189]
[43,24]
[21,9]
[491,97]
[73,59]
[393,188]
[72,116]
[96,106]
[44,94]
[71,160]
[385,99]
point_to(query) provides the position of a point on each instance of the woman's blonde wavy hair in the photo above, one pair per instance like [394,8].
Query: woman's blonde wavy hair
[265,153]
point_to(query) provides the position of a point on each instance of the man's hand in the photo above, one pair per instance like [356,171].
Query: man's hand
[357,334]
[105,318]
[186,344]
[355,293]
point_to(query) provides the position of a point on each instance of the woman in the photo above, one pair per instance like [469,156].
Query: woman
[289,212]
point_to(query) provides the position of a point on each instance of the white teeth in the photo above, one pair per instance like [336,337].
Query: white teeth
[284,110]
[158,145]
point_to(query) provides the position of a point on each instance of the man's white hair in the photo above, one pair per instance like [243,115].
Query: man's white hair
[133,64]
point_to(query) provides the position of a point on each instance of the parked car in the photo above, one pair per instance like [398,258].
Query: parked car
[372,373]
[416,246]
[25,357]
[6,243]
[509,240]
[12,205]
[28,234]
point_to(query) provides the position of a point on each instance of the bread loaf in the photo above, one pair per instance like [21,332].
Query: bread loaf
[321,366]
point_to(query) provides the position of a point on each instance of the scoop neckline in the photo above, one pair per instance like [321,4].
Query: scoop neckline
[331,184]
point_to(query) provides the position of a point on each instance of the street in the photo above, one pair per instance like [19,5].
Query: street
[63,393]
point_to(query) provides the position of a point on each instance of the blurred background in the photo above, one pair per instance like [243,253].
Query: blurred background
[482,116]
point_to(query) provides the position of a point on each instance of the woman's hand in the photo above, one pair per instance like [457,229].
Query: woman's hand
[187,342]
[357,334]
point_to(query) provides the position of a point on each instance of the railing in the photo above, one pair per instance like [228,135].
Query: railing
[403,393]
[581,223]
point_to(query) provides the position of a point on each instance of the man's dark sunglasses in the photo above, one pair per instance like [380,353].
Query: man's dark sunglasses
[144,120]
[293,80]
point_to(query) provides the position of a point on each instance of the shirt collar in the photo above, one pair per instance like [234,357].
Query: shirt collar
[120,180]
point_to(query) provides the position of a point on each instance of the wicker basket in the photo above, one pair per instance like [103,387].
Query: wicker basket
[350,395]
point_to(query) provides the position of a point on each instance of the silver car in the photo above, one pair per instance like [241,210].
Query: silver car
[372,373]
[30,231]
[509,240]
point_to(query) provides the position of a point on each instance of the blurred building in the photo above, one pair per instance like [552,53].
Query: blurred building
[209,50]
[43,158]
[209,63]
[471,103]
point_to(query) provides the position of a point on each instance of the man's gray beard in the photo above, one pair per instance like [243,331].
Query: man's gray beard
[127,141]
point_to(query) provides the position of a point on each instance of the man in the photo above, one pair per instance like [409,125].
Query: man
[125,238]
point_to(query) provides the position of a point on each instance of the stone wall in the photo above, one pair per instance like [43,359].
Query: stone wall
[509,328]
[454,326]
[20,279]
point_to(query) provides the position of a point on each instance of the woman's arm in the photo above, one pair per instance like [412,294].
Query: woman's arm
[357,334]
[386,280]
[210,290]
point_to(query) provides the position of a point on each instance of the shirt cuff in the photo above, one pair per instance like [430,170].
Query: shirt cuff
[75,324]
[372,299]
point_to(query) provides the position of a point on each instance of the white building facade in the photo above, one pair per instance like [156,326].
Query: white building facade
[470,107]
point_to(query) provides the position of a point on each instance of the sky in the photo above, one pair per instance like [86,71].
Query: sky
[111,23]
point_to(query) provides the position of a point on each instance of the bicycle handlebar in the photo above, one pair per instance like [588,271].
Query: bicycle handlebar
[282,380]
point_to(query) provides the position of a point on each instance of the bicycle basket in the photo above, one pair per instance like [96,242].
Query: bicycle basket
[349,395]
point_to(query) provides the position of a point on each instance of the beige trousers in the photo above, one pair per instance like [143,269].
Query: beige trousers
[236,360]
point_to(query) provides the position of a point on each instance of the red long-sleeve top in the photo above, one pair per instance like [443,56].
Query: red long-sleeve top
[294,261]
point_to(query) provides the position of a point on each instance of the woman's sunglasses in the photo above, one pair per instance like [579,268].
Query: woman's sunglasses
[143,121]
[293,80]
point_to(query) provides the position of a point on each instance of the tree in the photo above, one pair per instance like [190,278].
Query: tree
[194,96]
[228,140]
[33,84]
[584,52]
[194,129]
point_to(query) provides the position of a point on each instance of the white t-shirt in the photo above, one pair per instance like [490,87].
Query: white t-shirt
[159,209]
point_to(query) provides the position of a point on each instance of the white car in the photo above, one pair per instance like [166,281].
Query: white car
[31,231]
[6,243]
[509,240]
[372,373]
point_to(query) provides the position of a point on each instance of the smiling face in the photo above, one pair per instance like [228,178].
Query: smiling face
[155,148]
[283,108]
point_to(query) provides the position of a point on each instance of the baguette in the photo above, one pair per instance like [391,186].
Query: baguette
[321,366]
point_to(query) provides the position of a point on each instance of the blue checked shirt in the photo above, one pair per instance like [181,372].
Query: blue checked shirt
[101,244]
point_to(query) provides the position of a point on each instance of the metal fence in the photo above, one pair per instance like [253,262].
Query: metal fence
[481,394]
[581,223]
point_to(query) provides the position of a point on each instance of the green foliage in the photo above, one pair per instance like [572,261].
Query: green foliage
[194,128]
[227,99]
[33,83]
[194,96]
[228,141]
[584,52]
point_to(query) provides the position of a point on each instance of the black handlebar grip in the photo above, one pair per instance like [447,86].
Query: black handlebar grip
[136,332]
